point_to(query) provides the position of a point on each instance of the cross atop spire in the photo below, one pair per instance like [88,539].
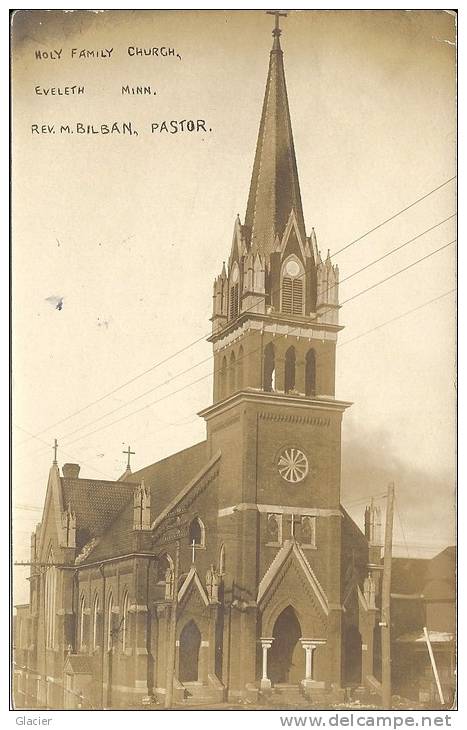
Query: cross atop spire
[55,448]
[277,31]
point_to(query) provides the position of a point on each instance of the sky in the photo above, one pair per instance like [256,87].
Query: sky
[131,230]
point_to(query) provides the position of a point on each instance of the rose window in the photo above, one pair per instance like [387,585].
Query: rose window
[292,465]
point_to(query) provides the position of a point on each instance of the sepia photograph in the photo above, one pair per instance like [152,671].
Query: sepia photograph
[233,328]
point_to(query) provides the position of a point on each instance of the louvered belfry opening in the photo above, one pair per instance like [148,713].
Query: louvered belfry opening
[292,295]
[234,306]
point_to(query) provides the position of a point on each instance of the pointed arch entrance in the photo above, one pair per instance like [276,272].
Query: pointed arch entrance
[352,656]
[286,655]
[190,642]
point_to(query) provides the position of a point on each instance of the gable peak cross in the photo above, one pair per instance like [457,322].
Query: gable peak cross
[193,553]
[128,452]
[277,13]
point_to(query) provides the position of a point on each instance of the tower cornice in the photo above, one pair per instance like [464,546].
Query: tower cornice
[280,324]
[280,400]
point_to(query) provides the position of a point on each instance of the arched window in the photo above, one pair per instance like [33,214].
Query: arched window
[222,559]
[95,623]
[310,373]
[289,375]
[234,300]
[82,624]
[241,357]
[232,365]
[196,533]
[308,531]
[269,368]
[110,607]
[124,625]
[292,286]
[273,528]
[223,378]
[164,564]
[50,589]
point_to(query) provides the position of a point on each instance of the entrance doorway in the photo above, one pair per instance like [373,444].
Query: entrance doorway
[286,661]
[352,656]
[190,642]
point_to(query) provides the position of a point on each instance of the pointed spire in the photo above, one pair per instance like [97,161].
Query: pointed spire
[274,188]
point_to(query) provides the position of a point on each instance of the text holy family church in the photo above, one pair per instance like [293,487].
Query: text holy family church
[229,569]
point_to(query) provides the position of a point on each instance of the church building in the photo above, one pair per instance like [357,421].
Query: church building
[229,571]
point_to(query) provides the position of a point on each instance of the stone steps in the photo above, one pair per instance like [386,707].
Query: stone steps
[202,694]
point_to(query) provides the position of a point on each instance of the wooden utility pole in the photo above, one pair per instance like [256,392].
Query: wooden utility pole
[386,603]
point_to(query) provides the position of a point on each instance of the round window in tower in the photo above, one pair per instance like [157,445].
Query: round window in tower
[292,465]
[292,268]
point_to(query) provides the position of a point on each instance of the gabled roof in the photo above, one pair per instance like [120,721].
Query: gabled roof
[292,548]
[408,575]
[186,489]
[96,503]
[163,479]
[274,187]
[192,577]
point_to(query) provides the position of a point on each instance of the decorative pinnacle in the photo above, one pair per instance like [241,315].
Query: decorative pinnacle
[55,448]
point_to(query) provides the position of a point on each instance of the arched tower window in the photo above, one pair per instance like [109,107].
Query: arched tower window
[292,286]
[273,528]
[82,624]
[289,375]
[269,368]
[124,627]
[232,365]
[110,607]
[310,373]
[95,622]
[50,590]
[196,533]
[240,360]
[223,378]
[234,292]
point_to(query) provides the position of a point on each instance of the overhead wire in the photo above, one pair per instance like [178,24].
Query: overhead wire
[200,339]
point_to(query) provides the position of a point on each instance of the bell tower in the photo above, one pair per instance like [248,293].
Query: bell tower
[275,302]
[275,417]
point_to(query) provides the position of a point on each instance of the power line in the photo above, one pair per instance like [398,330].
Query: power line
[200,339]
[208,359]
[191,367]
[402,527]
[66,453]
[419,200]
[343,344]
[194,382]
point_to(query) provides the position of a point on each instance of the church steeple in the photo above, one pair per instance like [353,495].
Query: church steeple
[274,187]
[275,303]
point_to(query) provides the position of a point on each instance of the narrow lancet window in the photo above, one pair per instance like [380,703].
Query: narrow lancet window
[310,373]
[269,368]
[289,375]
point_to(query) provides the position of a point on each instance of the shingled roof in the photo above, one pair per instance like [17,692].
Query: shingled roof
[165,479]
[95,502]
